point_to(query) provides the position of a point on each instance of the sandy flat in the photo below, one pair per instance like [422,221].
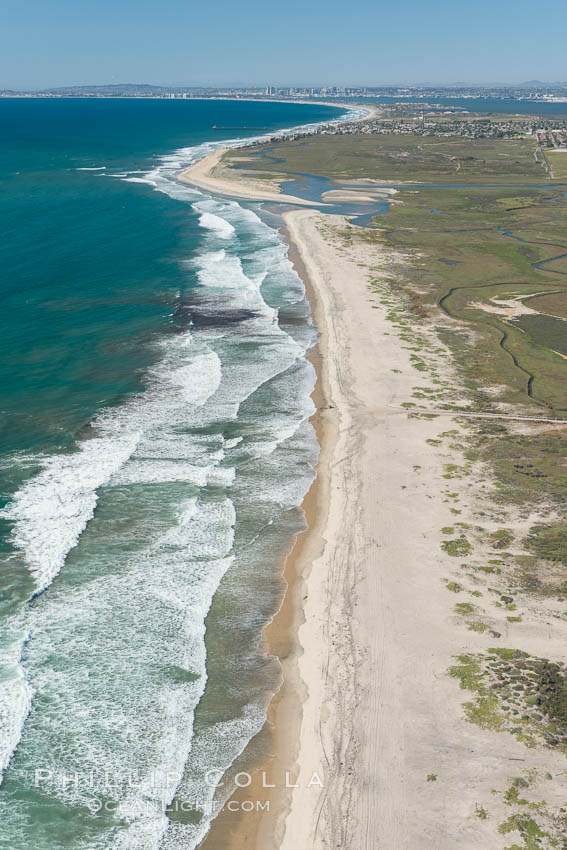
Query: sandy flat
[339,195]
[207,174]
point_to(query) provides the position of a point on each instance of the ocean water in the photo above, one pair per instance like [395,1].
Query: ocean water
[155,449]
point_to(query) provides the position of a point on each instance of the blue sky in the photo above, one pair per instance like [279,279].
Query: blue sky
[61,42]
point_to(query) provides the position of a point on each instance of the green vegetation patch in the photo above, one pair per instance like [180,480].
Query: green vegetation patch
[501,539]
[517,693]
[548,542]
[545,331]
[492,246]
[483,710]
[464,608]
[538,825]
[558,162]
[529,830]
[473,243]
[458,547]
[399,158]
[531,469]
[552,694]
[554,304]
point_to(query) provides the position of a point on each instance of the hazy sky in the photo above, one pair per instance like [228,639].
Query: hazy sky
[60,42]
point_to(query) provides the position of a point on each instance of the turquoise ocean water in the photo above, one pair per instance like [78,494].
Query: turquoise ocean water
[155,448]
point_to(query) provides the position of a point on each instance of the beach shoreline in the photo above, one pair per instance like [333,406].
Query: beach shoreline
[314,714]
[202,175]
[265,829]
[368,628]
[312,718]
[318,717]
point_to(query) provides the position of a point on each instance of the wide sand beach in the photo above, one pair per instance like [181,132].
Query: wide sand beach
[367,625]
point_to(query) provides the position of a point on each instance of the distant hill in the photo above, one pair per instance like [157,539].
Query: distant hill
[114,89]
[538,84]
[150,90]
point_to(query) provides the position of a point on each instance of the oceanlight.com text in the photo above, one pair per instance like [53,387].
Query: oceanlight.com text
[151,808]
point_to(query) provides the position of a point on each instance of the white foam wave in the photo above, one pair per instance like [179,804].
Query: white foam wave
[215,749]
[51,510]
[150,610]
[219,225]
[92,168]
[147,180]
[224,271]
[195,536]
[198,380]
[164,471]
[15,699]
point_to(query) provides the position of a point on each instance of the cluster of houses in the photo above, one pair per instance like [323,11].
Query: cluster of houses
[549,132]
[553,137]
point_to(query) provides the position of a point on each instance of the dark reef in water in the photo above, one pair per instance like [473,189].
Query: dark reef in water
[186,316]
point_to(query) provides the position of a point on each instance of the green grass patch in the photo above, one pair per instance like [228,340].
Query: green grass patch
[459,547]
[558,163]
[464,608]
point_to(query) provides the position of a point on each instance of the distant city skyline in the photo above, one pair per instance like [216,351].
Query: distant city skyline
[272,87]
[534,90]
[64,43]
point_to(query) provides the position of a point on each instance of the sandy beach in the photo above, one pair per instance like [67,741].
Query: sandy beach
[368,628]
[208,174]
[381,715]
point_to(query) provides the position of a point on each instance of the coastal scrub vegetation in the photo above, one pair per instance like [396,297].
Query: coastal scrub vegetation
[394,158]
[517,693]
